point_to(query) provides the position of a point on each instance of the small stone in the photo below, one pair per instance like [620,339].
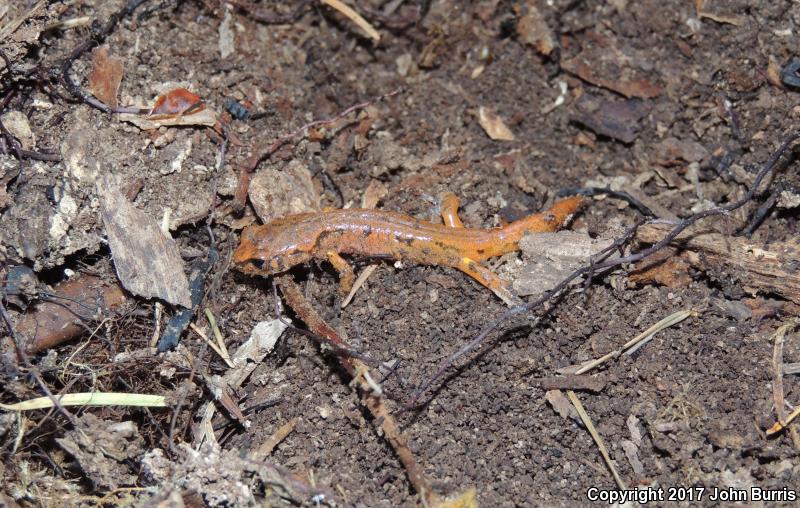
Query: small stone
[17,124]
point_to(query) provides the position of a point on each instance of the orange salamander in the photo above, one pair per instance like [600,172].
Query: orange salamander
[283,243]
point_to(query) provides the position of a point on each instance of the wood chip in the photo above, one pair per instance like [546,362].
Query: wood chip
[721,18]
[18,125]
[493,125]
[760,268]
[147,261]
[666,267]
[376,190]
[561,404]
[207,117]
[550,257]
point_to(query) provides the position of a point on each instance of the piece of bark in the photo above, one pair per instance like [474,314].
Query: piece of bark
[761,269]
[146,259]
[614,119]
[665,267]
[550,257]
[83,298]
[637,87]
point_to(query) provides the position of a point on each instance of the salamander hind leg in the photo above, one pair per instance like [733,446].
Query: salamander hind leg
[448,203]
[491,280]
[346,274]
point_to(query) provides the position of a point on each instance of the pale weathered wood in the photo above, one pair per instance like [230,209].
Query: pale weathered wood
[146,259]
[772,268]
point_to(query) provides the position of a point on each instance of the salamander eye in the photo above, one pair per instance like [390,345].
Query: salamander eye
[258,264]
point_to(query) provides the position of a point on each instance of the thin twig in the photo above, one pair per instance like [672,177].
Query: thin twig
[592,268]
[372,401]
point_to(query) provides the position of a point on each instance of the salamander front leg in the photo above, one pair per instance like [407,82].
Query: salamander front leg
[346,274]
[491,280]
[448,203]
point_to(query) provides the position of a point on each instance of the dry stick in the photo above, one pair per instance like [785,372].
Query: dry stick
[355,17]
[591,269]
[375,405]
[247,168]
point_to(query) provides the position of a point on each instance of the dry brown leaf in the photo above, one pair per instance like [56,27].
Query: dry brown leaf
[640,88]
[105,76]
[774,73]
[493,125]
[533,30]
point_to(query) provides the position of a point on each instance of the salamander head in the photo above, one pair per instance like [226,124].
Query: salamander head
[268,250]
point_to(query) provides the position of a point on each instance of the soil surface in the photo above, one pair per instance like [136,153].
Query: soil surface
[676,103]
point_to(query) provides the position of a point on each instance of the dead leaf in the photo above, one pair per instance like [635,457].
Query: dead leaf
[640,88]
[146,259]
[533,30]
[614,119]
[105,76]
[561,404]
[493,125]
[672,151]
[774,72]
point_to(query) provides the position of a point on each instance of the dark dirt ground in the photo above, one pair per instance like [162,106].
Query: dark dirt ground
[692,406]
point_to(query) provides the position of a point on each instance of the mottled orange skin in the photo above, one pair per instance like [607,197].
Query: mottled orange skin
[283,243]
